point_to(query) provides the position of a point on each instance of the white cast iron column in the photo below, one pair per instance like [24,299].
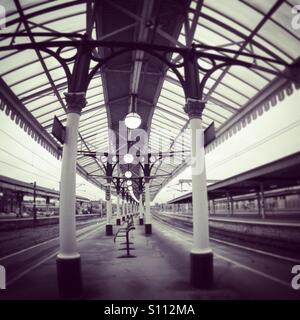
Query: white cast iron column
[123,210]
[141,209]
[148,225]
[109,227]
[68,258]
[118,211]
[201,253]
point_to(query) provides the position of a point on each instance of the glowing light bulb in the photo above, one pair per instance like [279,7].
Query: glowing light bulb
[128,158]
[133,120]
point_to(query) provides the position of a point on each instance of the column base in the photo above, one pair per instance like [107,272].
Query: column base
[141,221]
[148,228]
[201,270]
[118,222]
[109,230]
[69,278]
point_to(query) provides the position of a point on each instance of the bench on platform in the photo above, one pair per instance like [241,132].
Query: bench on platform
[124,233]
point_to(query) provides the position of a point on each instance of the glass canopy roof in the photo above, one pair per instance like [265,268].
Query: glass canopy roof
[247,26]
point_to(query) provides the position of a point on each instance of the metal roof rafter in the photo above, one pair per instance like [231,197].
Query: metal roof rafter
[247,41]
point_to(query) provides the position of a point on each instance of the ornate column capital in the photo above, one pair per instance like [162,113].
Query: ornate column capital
[109,180]
[147,179]
[194,108]
[75,101]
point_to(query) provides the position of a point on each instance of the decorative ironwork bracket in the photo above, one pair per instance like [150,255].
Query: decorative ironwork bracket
[195,55]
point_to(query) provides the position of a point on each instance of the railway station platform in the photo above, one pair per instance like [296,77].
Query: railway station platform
[112,109]
[158,271]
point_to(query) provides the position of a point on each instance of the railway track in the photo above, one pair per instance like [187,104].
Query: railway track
[261,243]
[19,263]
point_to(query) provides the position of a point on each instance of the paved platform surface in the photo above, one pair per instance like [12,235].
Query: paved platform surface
[159,271]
